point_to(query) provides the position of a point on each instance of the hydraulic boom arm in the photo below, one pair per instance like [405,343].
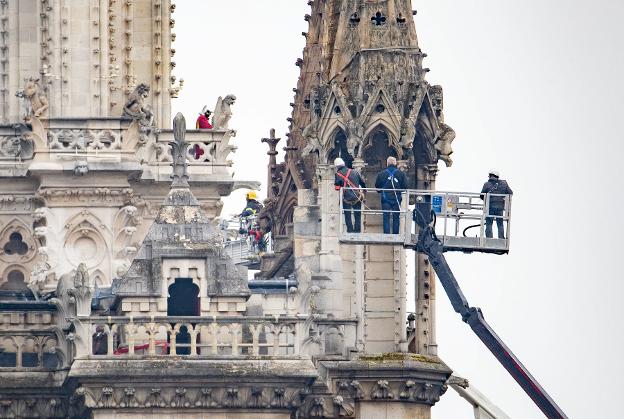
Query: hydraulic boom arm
[429,244]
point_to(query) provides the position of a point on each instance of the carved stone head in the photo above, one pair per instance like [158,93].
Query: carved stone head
[230,99]
[143,90]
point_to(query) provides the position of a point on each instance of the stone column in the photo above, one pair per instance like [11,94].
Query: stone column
[331,297]
[425,279]
[353,266]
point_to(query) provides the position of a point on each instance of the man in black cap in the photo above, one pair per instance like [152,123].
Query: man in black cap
[496,187]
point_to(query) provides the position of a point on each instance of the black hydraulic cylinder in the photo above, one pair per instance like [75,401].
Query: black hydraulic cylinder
[431,246]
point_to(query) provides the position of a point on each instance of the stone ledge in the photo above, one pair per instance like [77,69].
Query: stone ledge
[191,370]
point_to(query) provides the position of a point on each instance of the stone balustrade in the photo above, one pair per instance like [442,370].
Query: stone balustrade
[207,148]
[215,336]
[29,351]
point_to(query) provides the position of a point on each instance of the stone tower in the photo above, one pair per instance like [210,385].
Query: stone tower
[362,96]
[85,98]
[87,55]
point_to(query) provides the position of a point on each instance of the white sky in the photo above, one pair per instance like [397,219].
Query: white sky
[532,88]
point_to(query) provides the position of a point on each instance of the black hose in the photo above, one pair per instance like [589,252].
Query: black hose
[468,228]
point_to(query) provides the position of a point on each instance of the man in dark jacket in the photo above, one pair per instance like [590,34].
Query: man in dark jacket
[352,198]
[388,180]
[496,187]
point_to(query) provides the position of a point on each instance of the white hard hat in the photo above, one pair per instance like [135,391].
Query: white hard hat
[205,109]
[494,172]
[338,162]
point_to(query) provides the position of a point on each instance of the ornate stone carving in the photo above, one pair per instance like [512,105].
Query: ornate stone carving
[77,408]
[443,144]
[230,397]
[81,196]
[317,407]
[34,100]
[381,390]
[180,399]
[279,399]
[223,112]
[16,204]
[205,399]
[407,390]
[128,398]
[11,148]
[255,397]
[81,168]
[178,150]
[124,228]
[142,113]
[350,389]
[107,398]
[155,399]
[79,139]
[343,408]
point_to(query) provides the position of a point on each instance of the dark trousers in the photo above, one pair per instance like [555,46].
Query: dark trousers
[499,223]
[353,216]
[396,217]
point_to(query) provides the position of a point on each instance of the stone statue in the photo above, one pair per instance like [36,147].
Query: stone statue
[265,218]
[10,147]
[310,135]
[34,101]
[137,109]
[355,137]
[25,105]
[38,277]
[223,112]
[443,144]
[408,132]
[408,126]
[81,279]
[81,168]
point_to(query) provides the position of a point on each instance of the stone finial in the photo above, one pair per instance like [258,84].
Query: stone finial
[178,151]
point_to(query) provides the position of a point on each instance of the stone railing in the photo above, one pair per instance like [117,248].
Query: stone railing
[208,150]
[215,336]
[76,140]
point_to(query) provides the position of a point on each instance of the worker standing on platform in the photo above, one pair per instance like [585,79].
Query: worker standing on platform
[498,187]
[203,120]
[352,196]
[387,180]
[249,225]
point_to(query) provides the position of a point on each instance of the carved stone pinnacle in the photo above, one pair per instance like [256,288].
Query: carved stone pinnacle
[178,150]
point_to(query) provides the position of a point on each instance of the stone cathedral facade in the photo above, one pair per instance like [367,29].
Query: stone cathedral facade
[117,297]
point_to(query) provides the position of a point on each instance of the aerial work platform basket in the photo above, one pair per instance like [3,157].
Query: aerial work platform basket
[463,221]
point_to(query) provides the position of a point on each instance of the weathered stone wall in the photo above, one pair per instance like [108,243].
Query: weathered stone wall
[88,54]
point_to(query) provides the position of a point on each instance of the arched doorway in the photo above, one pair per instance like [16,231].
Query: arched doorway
[183,300]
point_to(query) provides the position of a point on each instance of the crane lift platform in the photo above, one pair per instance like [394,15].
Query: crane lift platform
[432,223]
[460,221]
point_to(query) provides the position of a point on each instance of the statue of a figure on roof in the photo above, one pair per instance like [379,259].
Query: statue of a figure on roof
[223,112]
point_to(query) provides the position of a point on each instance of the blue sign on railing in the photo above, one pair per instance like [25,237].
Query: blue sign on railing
[436,203]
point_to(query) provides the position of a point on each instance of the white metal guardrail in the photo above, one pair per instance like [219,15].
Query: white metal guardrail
[463,221]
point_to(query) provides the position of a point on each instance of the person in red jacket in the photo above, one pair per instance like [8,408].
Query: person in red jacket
[203,120]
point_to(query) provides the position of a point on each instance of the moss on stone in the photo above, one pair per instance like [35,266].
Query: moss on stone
[397,356]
